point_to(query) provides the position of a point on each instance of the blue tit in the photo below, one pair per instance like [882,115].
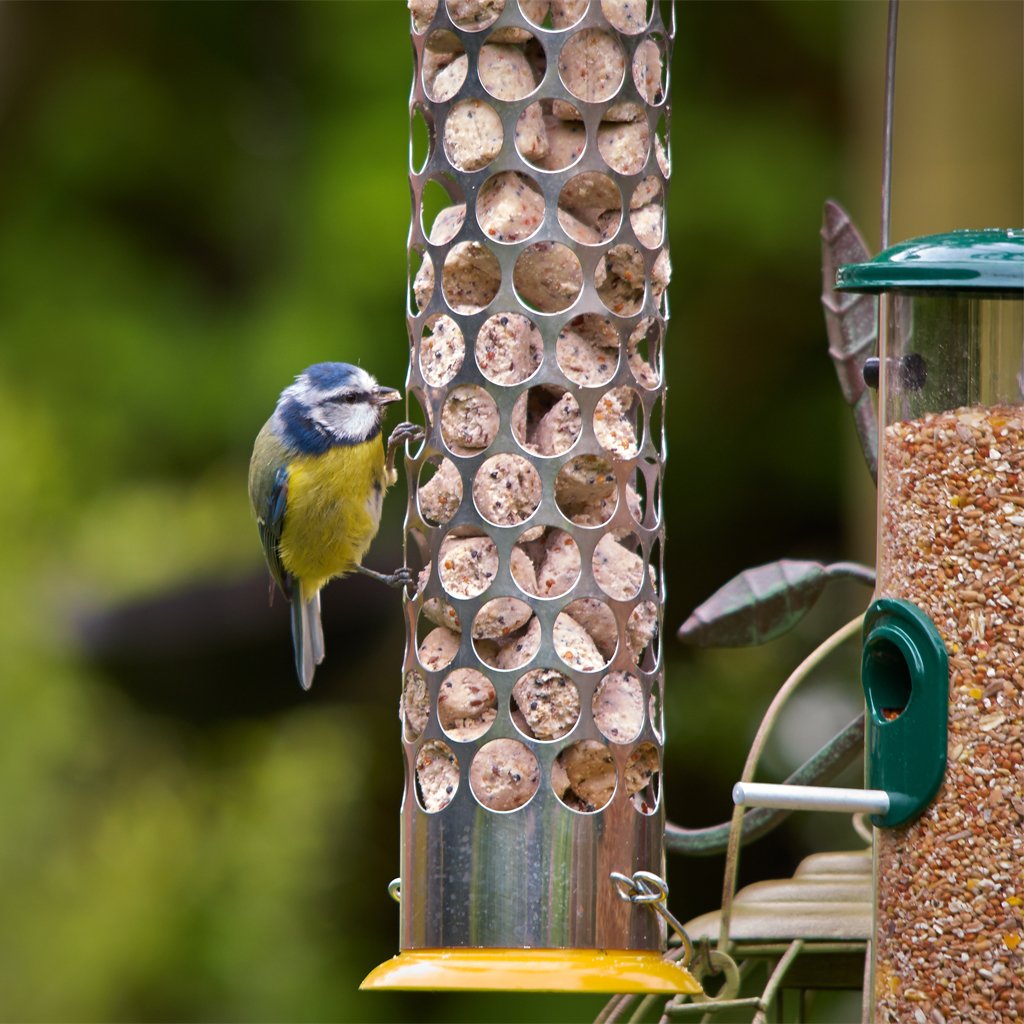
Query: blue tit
[317,480]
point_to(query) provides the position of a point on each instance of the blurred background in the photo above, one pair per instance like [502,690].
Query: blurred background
[197,201]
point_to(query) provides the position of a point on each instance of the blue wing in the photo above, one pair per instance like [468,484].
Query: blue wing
[270,523]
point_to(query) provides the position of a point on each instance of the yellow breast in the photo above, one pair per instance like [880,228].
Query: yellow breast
[333,511]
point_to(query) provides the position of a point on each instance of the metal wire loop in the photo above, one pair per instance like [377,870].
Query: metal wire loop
[395,889]
[643,887]
[647,887]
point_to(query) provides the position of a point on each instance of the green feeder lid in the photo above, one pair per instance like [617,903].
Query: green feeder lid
[989,260]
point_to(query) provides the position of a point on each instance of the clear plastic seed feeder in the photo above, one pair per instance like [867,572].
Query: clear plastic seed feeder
[532,822]
[946,718]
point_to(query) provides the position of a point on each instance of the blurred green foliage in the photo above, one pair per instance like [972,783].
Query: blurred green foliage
[198,200]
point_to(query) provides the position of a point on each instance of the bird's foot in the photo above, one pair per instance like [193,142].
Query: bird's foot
[402,434]
[401,577]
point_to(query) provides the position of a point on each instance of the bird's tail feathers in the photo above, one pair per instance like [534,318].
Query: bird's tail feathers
[316,629]
[307,634]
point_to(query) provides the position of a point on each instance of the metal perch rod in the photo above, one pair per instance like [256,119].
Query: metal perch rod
[811,798]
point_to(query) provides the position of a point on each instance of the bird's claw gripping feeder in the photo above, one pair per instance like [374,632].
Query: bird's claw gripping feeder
[532,821]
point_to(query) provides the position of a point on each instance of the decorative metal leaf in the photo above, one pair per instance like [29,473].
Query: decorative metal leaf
[851,320]
[761,604]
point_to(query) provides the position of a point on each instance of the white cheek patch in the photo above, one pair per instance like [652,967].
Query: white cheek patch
[359,420]
[349,421]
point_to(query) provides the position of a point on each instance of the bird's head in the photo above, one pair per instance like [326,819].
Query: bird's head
[331,404]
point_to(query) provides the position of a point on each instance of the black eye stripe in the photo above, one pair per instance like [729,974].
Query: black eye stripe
[352,396]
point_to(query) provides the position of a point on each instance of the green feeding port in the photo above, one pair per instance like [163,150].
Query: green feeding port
[890,687]
[905,675]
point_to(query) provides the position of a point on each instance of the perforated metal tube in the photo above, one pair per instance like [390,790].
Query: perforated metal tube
[485,861]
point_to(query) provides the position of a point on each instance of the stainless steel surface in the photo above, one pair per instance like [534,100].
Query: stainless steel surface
[811,798]
[537,876]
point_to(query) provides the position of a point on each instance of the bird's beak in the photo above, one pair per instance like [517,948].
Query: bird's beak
[385,396]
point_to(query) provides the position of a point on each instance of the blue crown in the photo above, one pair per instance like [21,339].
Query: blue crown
[329,376]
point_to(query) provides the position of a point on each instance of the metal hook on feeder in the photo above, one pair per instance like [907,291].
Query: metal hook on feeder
[647,887]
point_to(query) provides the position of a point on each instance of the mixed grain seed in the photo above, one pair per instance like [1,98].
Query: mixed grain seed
[950,915]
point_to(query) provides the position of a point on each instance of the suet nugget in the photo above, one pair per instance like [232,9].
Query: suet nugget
[317,480]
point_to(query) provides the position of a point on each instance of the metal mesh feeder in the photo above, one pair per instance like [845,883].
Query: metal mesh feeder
[532,678]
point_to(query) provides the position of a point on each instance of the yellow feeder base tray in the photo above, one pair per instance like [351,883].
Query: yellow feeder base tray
[532,970]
